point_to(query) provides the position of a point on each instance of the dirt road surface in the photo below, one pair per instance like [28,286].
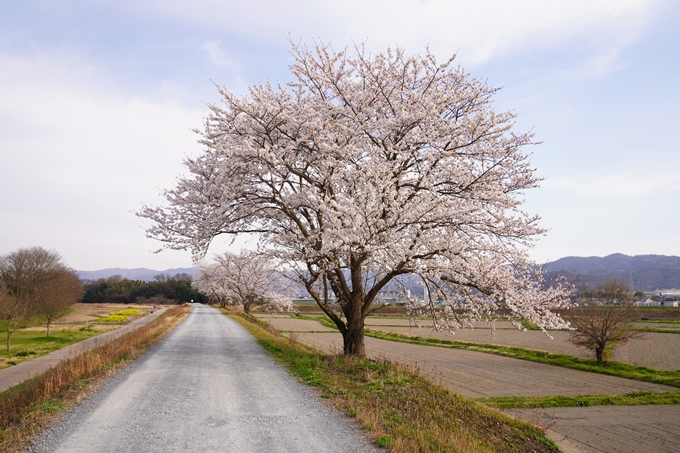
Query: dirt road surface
[207,387]
[479,375]
[654,350]
[604,429]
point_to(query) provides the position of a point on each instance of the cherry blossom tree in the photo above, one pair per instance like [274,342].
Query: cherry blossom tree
[365,169]
[248,279]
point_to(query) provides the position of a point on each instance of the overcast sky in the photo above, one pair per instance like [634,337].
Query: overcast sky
[98,99]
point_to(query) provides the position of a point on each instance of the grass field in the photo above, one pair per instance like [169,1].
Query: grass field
[78,323]
[631,399]
[30,343]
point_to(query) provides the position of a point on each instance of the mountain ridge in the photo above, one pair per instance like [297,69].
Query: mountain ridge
[647,272]
[140,273]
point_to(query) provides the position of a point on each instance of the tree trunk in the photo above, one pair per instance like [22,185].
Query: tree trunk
[353,339]
[48,327]
[9,334]
[599,353]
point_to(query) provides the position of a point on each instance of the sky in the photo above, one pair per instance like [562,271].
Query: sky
[99,99]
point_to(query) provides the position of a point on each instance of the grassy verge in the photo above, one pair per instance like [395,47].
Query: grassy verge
[403,410]
[658,330]
[26,408]
[631,399]
[660,321]
[31,343]
[612,368]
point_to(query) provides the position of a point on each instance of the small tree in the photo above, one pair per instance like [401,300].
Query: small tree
[14,313]
[35,283]
[57,291]
[606,319]
[248,278]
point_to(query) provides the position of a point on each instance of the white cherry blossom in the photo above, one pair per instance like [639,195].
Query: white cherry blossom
[366,169]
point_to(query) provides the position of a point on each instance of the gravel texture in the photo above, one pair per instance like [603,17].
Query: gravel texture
[207,387]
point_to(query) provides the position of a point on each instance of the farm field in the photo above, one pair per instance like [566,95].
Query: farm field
[477,374]
[654,350]
[74,327]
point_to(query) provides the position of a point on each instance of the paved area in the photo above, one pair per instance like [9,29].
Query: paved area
[206,387]
[15,375]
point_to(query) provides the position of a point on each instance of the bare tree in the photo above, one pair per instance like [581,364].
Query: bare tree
[605,321]
[34,282]
[58,290]
[14,312]
[365,169]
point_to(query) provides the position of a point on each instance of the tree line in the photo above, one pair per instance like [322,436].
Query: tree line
[164,289]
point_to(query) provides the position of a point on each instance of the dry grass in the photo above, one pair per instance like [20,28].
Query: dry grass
[402,409]
[27,408]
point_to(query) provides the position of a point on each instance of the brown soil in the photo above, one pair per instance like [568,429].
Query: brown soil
[89,312]
[471,373]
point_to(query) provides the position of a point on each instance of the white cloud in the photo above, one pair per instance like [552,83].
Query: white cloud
[219,57]
[480,29]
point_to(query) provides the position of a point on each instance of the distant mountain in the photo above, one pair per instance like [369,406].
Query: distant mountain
[134,274]
[648,272]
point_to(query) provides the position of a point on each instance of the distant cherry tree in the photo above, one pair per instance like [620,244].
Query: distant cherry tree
[366,169]
[247,279]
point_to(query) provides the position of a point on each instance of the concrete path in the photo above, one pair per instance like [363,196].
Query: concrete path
[15,375]
[206,387]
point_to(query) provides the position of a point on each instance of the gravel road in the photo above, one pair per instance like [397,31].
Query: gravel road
[207,387]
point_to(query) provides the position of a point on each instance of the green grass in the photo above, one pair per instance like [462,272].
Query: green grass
[403,410]
[660,321]
[631,399]
[657,330]
[611,368]
[32,343]
[323,319]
